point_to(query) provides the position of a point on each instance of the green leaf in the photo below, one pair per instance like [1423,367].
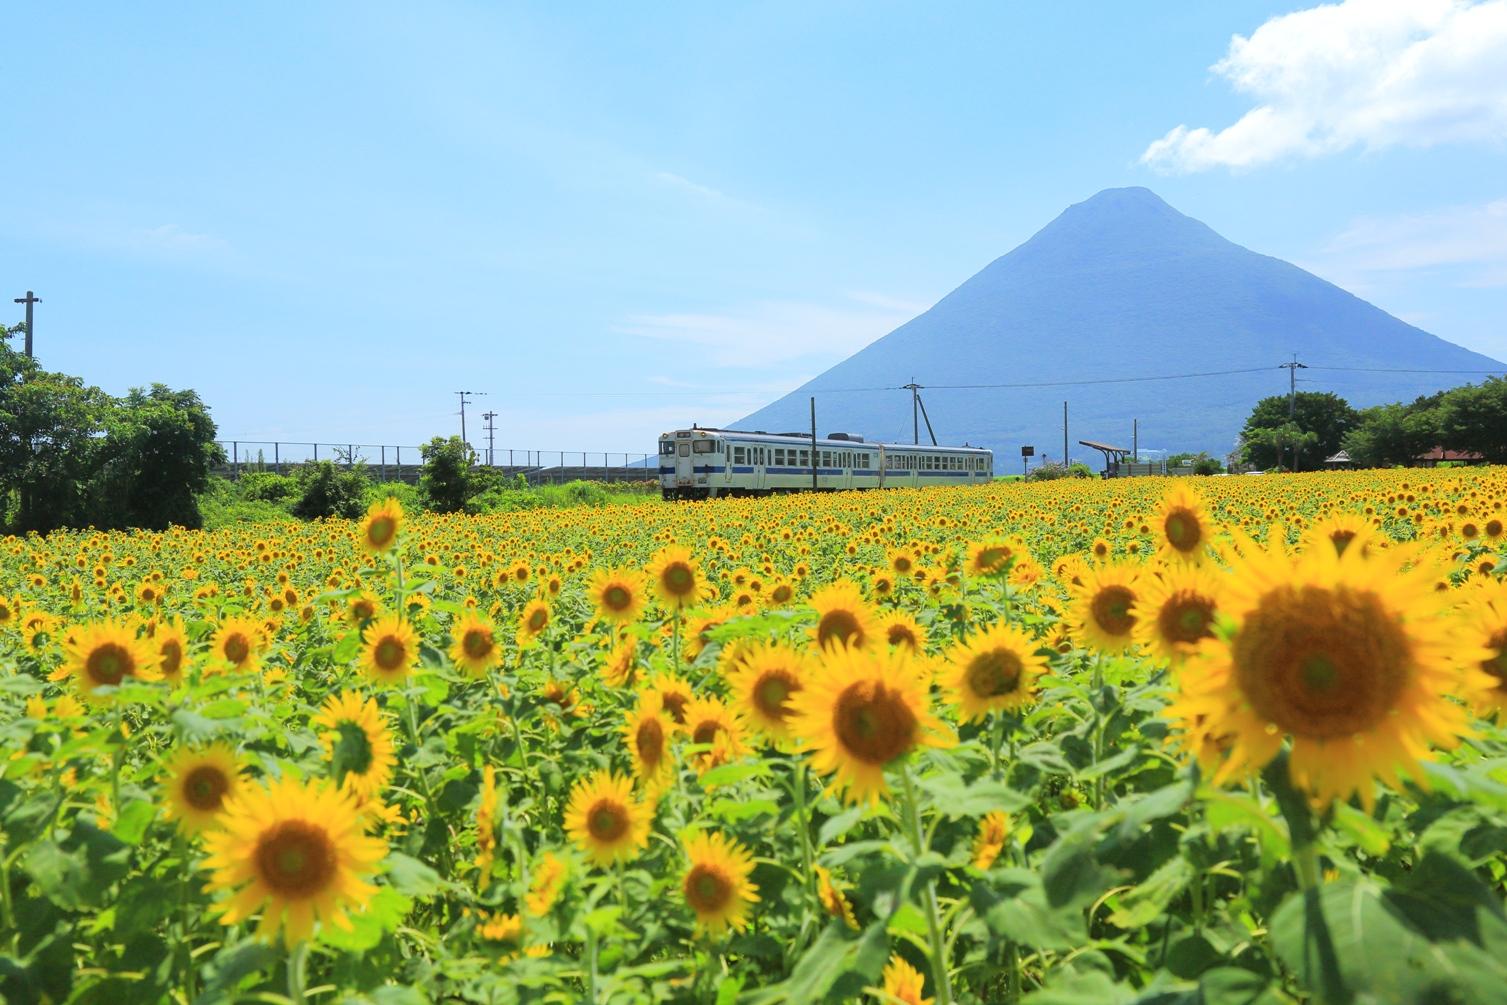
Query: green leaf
[827,960]
[411,877]
[732,810]
[1081,988]
[1013,905]
[1368,835]
[131,826]
[1070,874]
[727,774]
[1145,902]
[953,797]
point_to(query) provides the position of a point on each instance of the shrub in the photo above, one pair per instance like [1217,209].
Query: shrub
[265,486]
[326,490]
[447,482]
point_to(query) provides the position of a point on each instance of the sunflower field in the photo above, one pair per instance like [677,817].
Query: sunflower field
[1173,741]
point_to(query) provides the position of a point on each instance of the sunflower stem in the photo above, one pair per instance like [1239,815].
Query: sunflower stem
[116,762]
[942,983]
[181,844]
[591,957]
[7,910]
[675,641]
[803,819]
[298,958]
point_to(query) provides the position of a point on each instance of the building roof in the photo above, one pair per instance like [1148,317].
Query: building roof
[1441,454]
[1105,446]
[1343,457]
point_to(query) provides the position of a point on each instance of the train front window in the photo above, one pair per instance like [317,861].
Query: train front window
[666,448]
[705,446]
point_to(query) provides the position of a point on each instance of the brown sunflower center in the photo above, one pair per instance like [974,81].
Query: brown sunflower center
[706,731]
[773,691]
[1183,530]
[477,643]
[1111,610]
[993,673]
[204,788]
[295,859]
[901,635]
[1341,540]
[678,579]
[381,531]
[1186,617]
[617,598]
[839,626]
[362,610]
[607,820]
[389,653]
[236,647]
[1322,663]
[109,663]
[537,619]
[990,559]
[675,705]
[781,594]
[649,741]
[902,563]
[873,722]
[707,889]
[171,652]
[1496,665]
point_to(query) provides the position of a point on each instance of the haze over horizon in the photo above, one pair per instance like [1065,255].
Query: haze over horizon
[663,206]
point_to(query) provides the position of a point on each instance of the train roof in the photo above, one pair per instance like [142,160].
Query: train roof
[796,439]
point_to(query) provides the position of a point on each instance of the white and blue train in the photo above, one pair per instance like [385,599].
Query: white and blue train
[707,463]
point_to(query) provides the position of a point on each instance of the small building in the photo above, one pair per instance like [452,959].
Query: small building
[1339,460]
[1438,455]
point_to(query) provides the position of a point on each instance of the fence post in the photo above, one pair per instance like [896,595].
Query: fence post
[277,463]
[384,462]
[235,460]
[316,451]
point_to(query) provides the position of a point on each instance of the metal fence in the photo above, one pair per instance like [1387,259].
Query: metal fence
[403,463]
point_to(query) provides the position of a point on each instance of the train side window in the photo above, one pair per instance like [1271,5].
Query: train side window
[779,456]
[737,455]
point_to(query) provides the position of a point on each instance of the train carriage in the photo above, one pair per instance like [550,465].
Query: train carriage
[707,463]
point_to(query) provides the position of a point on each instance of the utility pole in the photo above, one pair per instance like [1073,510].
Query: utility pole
[1292,402]
[491,430]
[465,398]
[813,444]
[29,300]
[915,398]
[1135,441]
[1065,461]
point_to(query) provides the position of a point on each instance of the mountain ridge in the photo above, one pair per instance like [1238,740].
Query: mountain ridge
[1121,285]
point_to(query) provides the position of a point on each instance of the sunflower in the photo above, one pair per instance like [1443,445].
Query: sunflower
[379,528]
[546,884]
[606,820]
[698,628]
[1486,621]
[170,639]
[474,644]
[357,742]
[901,561]
[486,823]
[618,595]
[1340,531]
[533,621]
[900,630]
[763,681]
[903,983]
[1182,523]
[1175,609]
[674,694]
[391,650]
[237,644]
[105,654]
[1103,606]
[647,733]
[199,784]
[294,851]
[993,832]
[991,557]
[1348,655]
[862,710]
[993,671]
[833,900]
[709,722]
[621,662]
[716,884]
[843,617]
[676,577]
[362,608]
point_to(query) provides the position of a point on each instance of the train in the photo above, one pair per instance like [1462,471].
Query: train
[701,463]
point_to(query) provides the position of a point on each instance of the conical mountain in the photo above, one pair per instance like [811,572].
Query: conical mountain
[1121,286]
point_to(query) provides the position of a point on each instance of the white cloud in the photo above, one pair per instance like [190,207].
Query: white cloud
[1363,73]
[777,331]
[1469,242]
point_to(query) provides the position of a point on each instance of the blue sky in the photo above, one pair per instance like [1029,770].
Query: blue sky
[327,218]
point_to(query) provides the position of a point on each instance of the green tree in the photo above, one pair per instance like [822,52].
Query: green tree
[156,460]
[448,480]
[327,490]
[1388,435]
[1474,418]
[1321,419]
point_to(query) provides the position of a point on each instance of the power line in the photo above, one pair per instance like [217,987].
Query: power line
[1381,369]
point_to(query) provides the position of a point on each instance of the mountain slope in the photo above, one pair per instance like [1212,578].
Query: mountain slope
[1119,286]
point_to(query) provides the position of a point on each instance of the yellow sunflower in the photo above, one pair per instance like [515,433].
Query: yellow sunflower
[357,742]
[617,594]
[106,654]
[862,710]
[295,852]
[170,639]
[1182,523]
[1340,530]
[1175,609]
[716,884]
[903,631]
[647,733]
[199,784]
[676,577]
[993,832]
[762,683]
[1485,622]
[674,694]
[993,671]
[546,884]
[606,821]
[474,645]
[621,663]
[709,722]
[1103,607]
[991,557]
[379,528]
[903,983]
[1351,657]
[237,645]
[833,900]
[533,621]
[843,617]
[362,608]
[391,650]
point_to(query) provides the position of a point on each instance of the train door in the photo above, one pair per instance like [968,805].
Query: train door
[881,465]
[685,465]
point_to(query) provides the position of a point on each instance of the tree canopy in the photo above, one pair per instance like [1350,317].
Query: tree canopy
[1315,431]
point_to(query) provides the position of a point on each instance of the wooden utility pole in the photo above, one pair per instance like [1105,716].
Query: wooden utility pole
[813,444]
[29,300]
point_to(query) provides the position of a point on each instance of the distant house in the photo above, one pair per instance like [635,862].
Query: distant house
[1339,460]
[1434,457]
